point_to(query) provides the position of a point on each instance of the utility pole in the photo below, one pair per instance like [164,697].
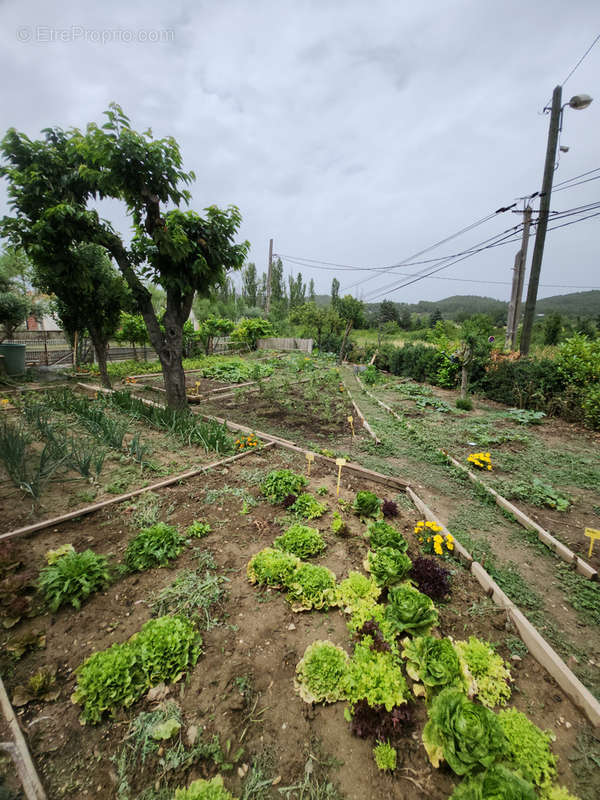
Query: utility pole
[514,309]
[540,236]
[269,268]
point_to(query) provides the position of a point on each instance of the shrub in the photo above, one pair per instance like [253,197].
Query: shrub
[387,565]
[249,331]
[280,483]
[465,734]
[464,403]
[72,578]
[272,567]
[153,547]
[366,504]
[300,540]
[117,677]
[308,507]
[321,673]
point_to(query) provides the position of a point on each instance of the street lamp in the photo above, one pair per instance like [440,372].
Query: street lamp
[577,102]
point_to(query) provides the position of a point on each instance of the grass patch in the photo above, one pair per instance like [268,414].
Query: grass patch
[582,594]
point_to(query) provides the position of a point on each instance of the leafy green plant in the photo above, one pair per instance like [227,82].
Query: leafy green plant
[366,504]
[537,493]
[433,664]
[525,417]
[370,375]
[153,547]
[193,594]
[466,735]
[496,783]
[322,491]
[354,589]
[338,526]
[72,578]
[382,534]
[581,593]
[198,530]
[272,567]
[374,676]
[464,403]
[201,789]
[387,565]
[58,552]
[117,677]
[430,577]
[385,756]
[29,473]
[311,586]
[308,507]
[300,540]
[281,483]
[529,751]
[321,673]
[488,669]
[410,611]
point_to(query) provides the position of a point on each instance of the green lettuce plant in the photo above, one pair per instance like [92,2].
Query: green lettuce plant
[529,751]
[338,526]
[321,673]
[559,793]
[465,734]
[433,664]
[300,540]
[496,783]
[374,676]
[488,669]
[72,578]
[308,507]
[311,586]
[385,756]
[355,588]
[271,567]
[409,611]
[387,566]
[153,547]
[117,677]
[366,504]
[198,530]
[201,789]
[281,483]
[382,534]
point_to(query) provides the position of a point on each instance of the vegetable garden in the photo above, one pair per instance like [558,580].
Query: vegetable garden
[250,633]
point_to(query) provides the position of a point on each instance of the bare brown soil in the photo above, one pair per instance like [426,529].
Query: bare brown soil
[260,641]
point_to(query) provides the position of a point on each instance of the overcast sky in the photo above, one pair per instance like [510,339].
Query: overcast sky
[351,132]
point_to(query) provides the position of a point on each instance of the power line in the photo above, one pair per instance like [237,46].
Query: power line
[576,177]
[581,59]
[571,185]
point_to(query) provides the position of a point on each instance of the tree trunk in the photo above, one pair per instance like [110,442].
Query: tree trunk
[464,381]
[100,346]
[135,355]
[344,340]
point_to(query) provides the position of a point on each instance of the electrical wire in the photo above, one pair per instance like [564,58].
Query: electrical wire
[581,59]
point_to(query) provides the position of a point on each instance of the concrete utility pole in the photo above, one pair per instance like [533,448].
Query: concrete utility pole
[270,265]
[540,236]
[514,309]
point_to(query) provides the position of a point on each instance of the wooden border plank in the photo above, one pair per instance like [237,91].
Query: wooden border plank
[22,758]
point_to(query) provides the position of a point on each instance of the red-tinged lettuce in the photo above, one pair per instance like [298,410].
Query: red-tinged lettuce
[496,783]
[430,577]
[466,735]
[376,722]
[389,508]
[387,565]
[433,664]
[409,611]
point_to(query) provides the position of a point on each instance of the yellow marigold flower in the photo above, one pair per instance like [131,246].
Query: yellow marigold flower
[420,538]
[449,537]
[421,522]
[437,549]
[429,538]
[450,545]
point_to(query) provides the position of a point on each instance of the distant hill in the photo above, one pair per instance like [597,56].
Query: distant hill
[578,304]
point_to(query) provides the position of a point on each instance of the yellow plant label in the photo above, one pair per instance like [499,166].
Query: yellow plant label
[593,534]
[310,457]
[340,463]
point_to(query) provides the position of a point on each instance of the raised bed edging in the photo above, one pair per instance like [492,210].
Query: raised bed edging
[539,648]
[362,417]
[20,752]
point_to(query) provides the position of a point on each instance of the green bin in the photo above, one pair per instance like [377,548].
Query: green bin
[14,358]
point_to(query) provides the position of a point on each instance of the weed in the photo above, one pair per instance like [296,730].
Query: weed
[258,783]
[213,496]
[194,594]
[516,646]
[146,510]
[511,582]
[464,403]
[581,593]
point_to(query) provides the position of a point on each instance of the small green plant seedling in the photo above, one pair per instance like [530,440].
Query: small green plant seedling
[198,530]
[385,756]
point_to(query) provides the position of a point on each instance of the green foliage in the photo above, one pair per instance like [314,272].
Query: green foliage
[272,567]
[466,735]
[338,526]
[201,789]
[581,593]
[382,534]
[249,331]
[281,483]
[409,611]
[312,586]
[308,507]
[385,756]
[193,594]
[559,793]
[464,403]
[370,375]
[300,540]
[117,677]
[496,783]
[367,504]
[529,751]
[354,589]
[433,664]
[388,566]
[525,416]
[72,578]
[14,310]
[198,530]
[153,547]
[30,473]
[375,676]
[321,673]
[537,493]
[489,670]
